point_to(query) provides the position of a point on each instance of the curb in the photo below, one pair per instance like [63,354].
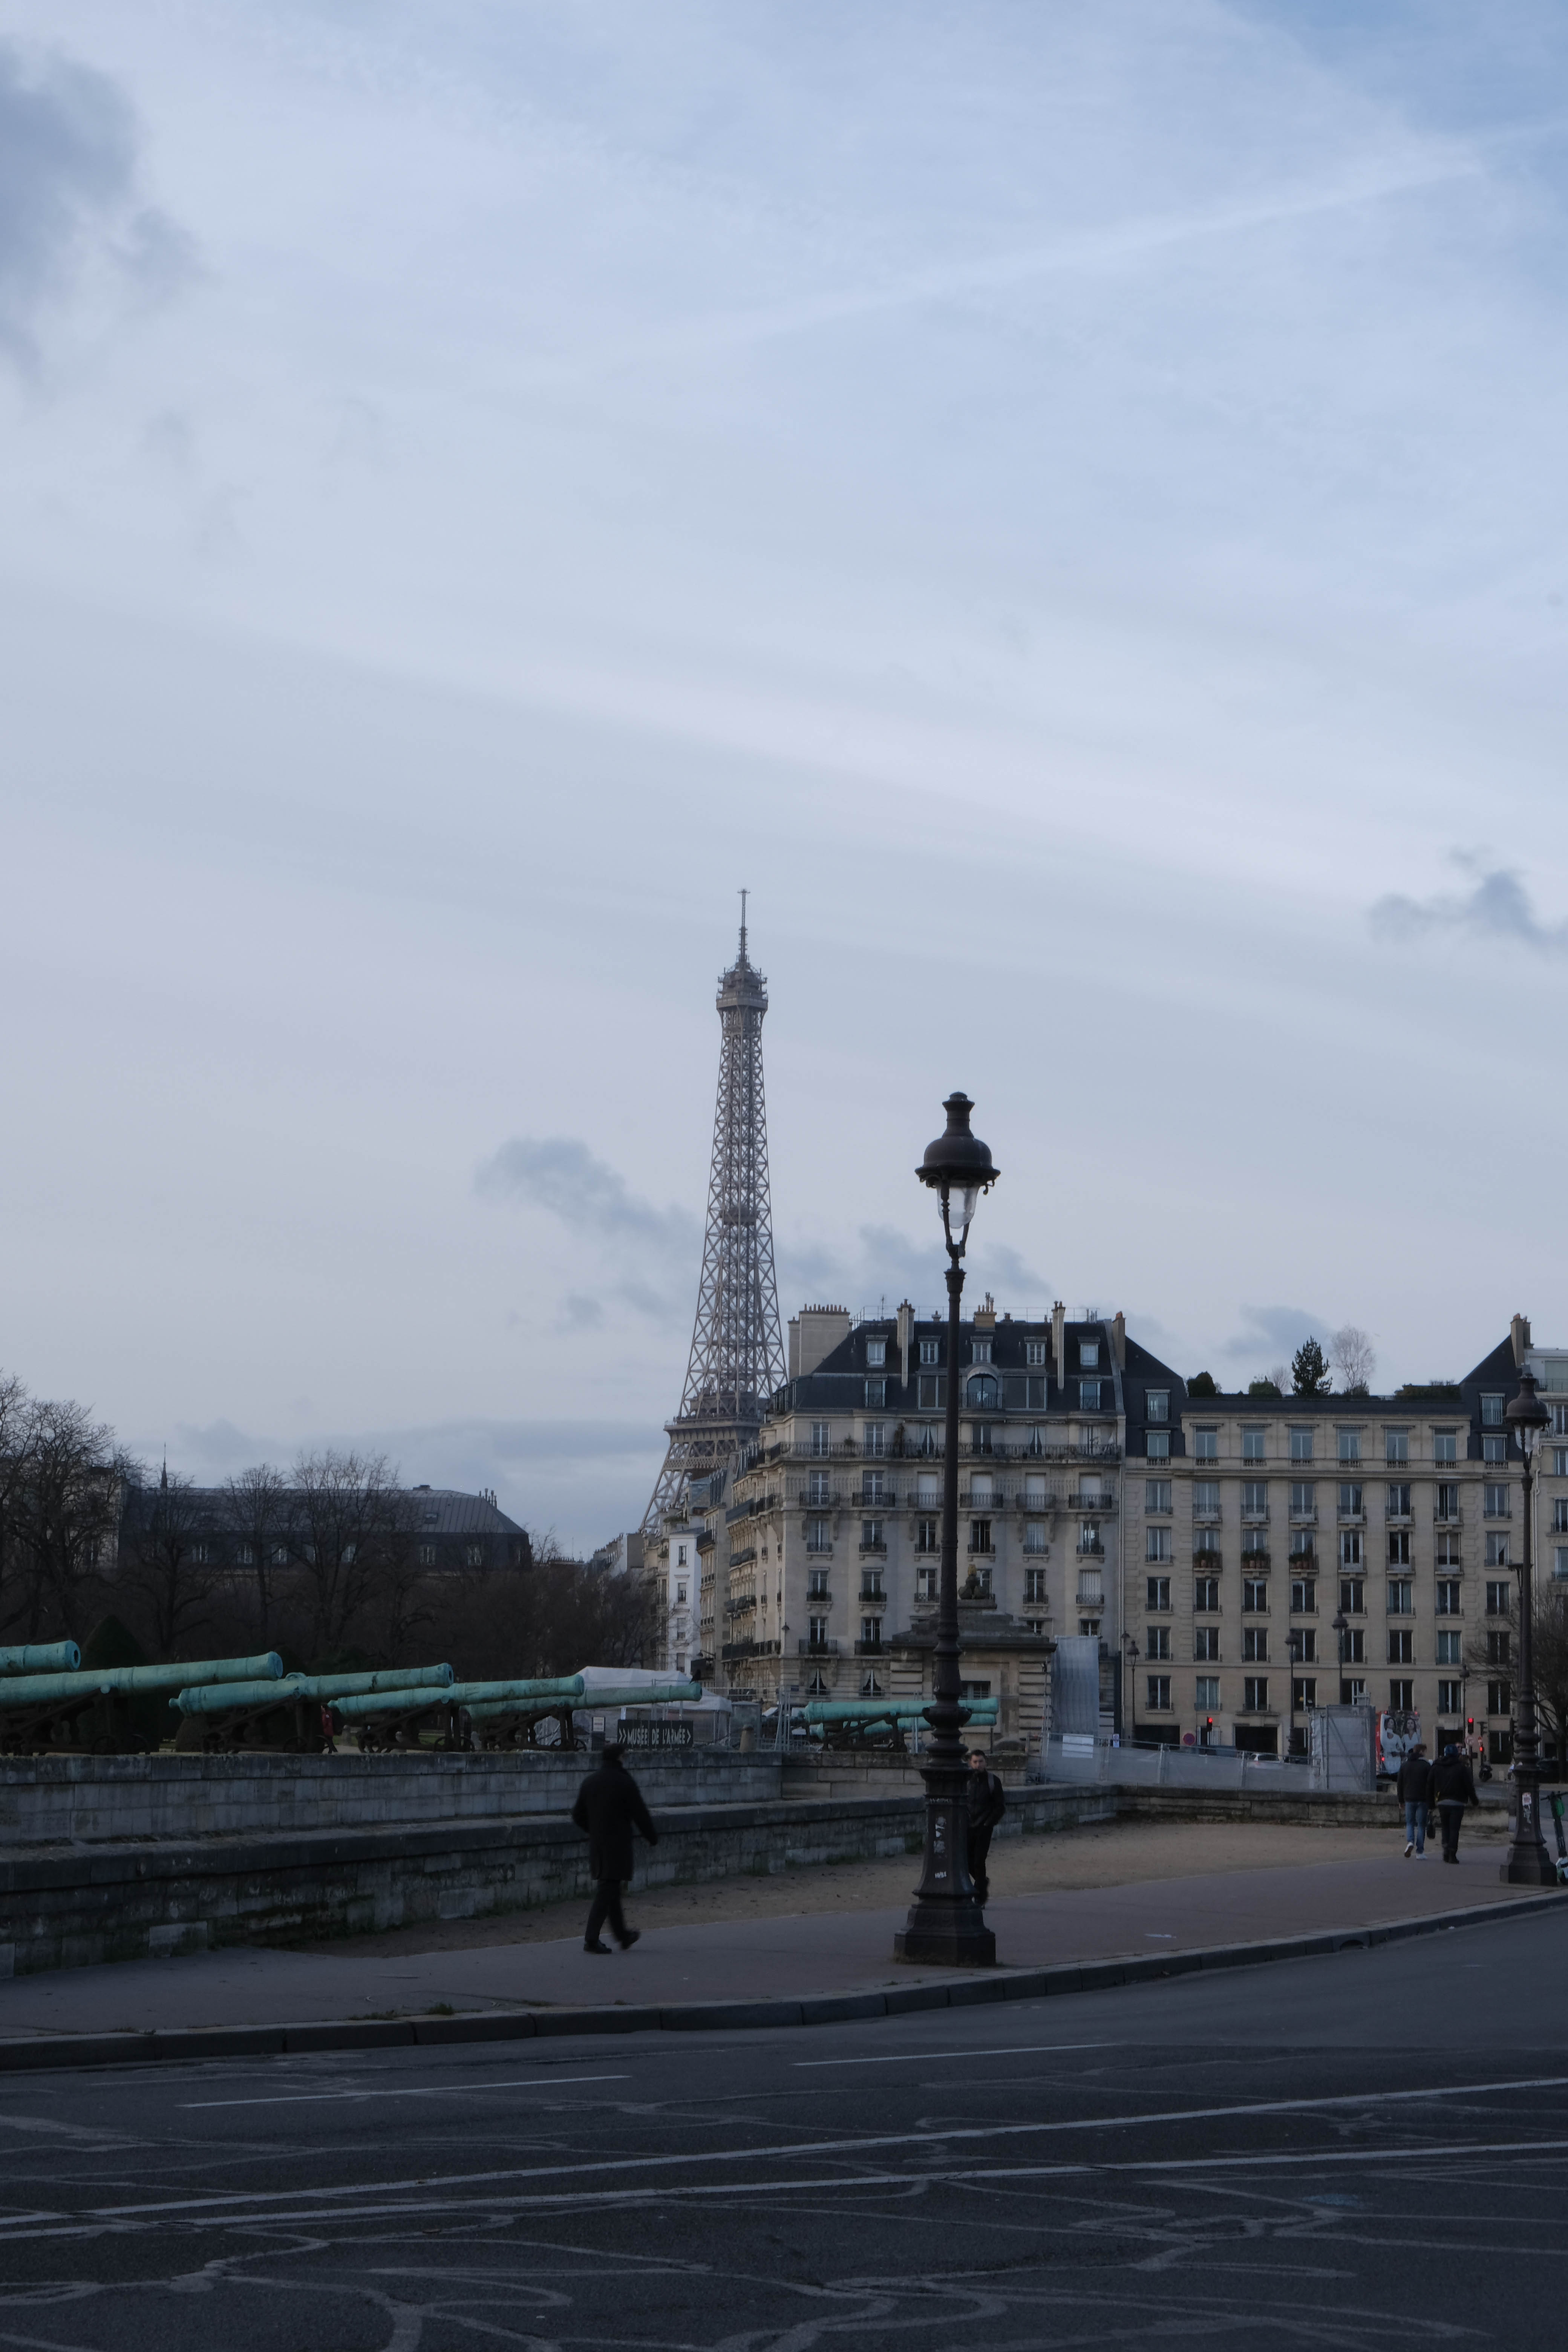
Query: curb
[169,2047]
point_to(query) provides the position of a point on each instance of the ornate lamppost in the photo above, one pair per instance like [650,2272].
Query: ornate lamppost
[1293,1659]
[1128,1682]
[1527,1862]
[946,1923]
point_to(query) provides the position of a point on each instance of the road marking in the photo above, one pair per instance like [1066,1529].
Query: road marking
[437,2091]
[918,2057]
[237,2201]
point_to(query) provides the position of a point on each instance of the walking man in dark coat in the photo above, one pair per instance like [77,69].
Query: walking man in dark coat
[609,1807]
[1454,1787]
[1414,1788]
[987,1803]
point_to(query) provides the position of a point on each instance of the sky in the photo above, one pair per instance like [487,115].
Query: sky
[1066,504]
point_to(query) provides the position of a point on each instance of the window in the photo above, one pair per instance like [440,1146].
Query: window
[681,1555]
[1157,1642]
[1448,1597]
[1399,1591]
[1156,1543]
[1206,1693]
[1350,1445]
[1396,1445]
[1035,1536]
[931,1351]
[816,1584]
[1159,1591]
[1255,1694]
[1559,1421]
[1034,1584]
[1156,1404]
[870,1632]
[875,1354]
[1255,1594]
[1355,1645]
[1450,1697]
[1500,1598]
[925,1583]
[1349,1500]
[1401,1695]
[1159,1691]
[1303,1596]
[1205,1444]
[926,1536]
[1496,1551]
[1494,1449]
[1089,1354]
[1255,1644]
[1254,1543]
[1156,1494]
[680,1596]
[1033,1352]
[1303,1498]
[816,1487]
[1254,1499]
[1448,1650]
[1560,1461]
[1560,1516]
[876,1437]
[1252,1445]
[1304,1646]
[1495,1501]
[974,1690]
[876,1395]
[1492,1412]
[932,1392]
[1352,1691]
[817,1632]
[427,1555]
[1560,1563]
[1498,1650]
[1300,1445]
[1397,1503]
[1350,1547]
[980,1534]
[873,1535]
[1445,1445]
[1447,1503]
[1303,1544]
[1088,1395]
[1157,1444]
[1304,1690]
[1352,1595]
[819,1535]
[1400,1645]
[1399,1546]
[980,1392]
[980,1351]
[1205,1643]
[819,1437]
[1499,1698]
[1448,1552]
[1205,1499]
[1206,1592]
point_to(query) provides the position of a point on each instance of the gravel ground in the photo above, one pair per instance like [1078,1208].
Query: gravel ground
[1116,1853]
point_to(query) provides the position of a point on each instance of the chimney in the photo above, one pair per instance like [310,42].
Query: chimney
[1119,1339]
[1518,1332]
[1059,1340]
[985,1315]
[906,1333]
[815,1333]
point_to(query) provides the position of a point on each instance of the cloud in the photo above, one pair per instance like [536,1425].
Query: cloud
[69,150]
[558,1172]
[1497,907]
[579,1312]
[1275,1331]
[886,1267]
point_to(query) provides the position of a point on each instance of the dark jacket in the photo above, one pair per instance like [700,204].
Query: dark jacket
[1452,1783]
[987,1799]
[609,1807]
[1414,1782]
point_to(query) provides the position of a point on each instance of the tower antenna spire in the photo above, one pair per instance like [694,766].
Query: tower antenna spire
[737,1343]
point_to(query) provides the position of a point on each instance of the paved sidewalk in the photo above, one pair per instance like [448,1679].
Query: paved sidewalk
[757,1959]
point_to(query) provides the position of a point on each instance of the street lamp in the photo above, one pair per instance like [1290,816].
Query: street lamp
[946,1923]
[1527,1862]
[1293,1652]
[1129,1707]
[1342,1627]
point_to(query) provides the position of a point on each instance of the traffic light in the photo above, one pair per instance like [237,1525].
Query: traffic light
[1470,1726]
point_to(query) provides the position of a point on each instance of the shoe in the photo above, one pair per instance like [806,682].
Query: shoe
[1409,1849]
[629,1938]
[597,1948]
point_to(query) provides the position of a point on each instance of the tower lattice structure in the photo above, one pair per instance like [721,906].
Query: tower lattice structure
[737,1348]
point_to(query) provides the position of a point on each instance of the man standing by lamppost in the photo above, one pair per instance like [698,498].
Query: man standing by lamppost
[946,1923]
[1527,1862]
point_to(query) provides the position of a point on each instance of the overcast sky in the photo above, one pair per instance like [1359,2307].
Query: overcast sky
[1066,502]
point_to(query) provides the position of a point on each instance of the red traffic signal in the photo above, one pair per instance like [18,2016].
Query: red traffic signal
[1469,1723]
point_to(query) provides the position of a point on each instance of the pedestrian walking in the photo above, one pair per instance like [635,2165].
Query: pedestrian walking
[1453,1787]
[609,1807]
[1414,1786]
[987,1803]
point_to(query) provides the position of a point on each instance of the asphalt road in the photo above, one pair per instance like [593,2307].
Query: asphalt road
[1367,2149]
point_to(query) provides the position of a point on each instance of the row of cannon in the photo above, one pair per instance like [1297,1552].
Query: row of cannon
[49,1701]
[879,1722]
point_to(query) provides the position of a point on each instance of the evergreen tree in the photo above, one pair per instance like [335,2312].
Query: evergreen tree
[1309,1370]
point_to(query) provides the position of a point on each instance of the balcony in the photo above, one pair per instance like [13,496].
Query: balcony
[870,1649]
[818,1551]
[803,1495]
[1090,1551]
[876,1498]
[990,1498]
[745,1608]
[1304,1519]
[1255,1518]
[1090,1593]
[824,1649]
[872,1592]
[1104,1504]
[1207,1517]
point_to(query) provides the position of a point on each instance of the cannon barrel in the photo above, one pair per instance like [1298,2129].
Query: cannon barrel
[215,1698]
[404,1698]
[57,1690]
[880,1710]
[655,1694]
[41,1658]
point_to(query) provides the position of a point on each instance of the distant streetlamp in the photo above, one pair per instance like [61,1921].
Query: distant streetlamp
[1293,1652]
[1527,1862]
[946,1923]
[1342,1627]
[1129,1683]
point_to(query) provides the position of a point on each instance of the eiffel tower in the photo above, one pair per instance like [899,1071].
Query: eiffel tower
[736,1350]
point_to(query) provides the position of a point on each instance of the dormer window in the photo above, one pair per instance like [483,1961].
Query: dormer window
[1089,1354]
[981,1352]
[876,1353]
[1033,1352]
[929,1351]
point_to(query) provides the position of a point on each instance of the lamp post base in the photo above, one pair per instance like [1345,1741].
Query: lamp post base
[960,1942]
[1527,1862]
[946,1925]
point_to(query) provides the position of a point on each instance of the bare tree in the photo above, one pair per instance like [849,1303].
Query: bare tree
[1354,1358]
[66,1513]
[255,1508]
[168,1559]
[345,1512]
[15,1413]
